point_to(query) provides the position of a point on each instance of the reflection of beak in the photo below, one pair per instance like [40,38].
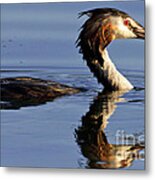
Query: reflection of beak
[139,32]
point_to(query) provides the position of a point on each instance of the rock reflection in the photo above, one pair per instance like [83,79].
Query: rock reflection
[92,139]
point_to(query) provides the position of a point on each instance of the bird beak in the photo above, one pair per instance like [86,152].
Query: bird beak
[139,32]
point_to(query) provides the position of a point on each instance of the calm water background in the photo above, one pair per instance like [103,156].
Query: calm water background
[38,40]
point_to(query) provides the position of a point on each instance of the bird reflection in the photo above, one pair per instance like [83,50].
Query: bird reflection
[92,139]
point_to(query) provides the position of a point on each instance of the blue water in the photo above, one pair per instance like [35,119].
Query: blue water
[38,40]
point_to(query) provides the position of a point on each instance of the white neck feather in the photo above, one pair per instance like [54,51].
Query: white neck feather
[110,77]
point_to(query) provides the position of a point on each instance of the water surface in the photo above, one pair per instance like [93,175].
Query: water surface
[77,131]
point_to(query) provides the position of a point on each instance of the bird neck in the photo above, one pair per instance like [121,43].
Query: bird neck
[107,73]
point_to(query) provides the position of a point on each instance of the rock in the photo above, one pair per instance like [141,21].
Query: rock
[17,92]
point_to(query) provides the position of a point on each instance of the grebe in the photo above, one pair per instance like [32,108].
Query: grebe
[102,27]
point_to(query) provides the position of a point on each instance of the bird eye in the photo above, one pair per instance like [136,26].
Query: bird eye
[126,22]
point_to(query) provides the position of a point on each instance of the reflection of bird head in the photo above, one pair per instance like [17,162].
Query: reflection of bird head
[93,141]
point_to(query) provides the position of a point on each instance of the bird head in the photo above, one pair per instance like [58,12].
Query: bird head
[125,27]
[105,25]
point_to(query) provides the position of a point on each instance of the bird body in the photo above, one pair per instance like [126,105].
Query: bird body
[102,27]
